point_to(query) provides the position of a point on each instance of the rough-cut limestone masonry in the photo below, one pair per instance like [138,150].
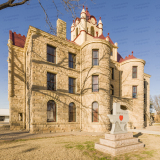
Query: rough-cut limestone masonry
[28,92]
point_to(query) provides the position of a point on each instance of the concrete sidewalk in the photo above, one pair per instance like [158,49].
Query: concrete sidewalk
[144,131]
[15,135]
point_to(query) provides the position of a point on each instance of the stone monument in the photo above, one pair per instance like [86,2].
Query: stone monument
[119,141]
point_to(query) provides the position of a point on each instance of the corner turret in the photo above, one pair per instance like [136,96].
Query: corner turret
[100,26]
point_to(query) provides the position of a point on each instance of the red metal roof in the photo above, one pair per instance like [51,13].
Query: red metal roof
[110,39]
[102,36]
[118,57]
[18,39]
[126,58]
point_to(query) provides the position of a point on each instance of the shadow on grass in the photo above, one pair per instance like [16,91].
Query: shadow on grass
[138,134]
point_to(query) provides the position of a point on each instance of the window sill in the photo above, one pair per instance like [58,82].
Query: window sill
[60,123]
[72,69]
[51,90]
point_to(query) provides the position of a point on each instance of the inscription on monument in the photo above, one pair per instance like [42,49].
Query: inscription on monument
[119,119]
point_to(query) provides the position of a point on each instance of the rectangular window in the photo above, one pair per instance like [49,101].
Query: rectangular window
[51,81]
[72,85]
[2,118]
[72,61]
[134,92]
[134,72]
[20,116]
[51,54]
[144,84]
[95,58]
[112,73]
[95,112]
[144,98]
[95,85]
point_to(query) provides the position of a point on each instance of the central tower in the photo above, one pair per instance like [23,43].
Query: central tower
[85,27]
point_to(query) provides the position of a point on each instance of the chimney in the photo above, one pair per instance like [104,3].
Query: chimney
[61,29]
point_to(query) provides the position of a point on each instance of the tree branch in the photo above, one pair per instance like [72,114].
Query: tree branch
[52,29]
[11,3]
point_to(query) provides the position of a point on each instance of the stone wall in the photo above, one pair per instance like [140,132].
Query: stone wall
[62,97]
[147,99]
[27,85]
[16,85]
[137,115]
[103,95]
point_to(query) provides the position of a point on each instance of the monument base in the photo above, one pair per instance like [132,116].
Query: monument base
[116,144]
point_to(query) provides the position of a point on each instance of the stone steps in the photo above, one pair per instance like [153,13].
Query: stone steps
[116,144]
[119,150]
[119,143]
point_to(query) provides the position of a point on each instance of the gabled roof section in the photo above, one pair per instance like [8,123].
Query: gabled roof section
[102,36]
[119,57]
[110,39]
[87,14]
[17,39]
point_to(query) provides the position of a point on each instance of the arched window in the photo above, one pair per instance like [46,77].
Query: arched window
[72,112]
[92,31]
[51,111]
[95,111]
[111,90]
[76,32]
[123,107]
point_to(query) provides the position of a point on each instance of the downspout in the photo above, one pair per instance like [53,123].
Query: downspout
[119,84]
[80,90]
[24,109]
[30,78]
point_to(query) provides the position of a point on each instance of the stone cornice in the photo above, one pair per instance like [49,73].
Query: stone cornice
[115,62]
[17,48]
[97,41]
[133,60]
[147,75]
[33,30]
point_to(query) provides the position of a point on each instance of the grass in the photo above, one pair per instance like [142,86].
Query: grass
[149,153]
[88,149]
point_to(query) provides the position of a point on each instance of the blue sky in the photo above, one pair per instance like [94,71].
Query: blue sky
[135,25]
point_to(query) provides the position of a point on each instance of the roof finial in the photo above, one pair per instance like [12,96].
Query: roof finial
[83,6]
[132,52]
[108,34]
[86,8]
[100,18]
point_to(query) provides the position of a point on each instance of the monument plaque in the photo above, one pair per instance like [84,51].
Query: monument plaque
[119,119]
[119,141]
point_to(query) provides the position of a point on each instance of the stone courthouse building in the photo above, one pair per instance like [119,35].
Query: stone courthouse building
[60,85]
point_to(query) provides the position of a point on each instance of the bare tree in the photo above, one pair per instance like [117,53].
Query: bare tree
[69,5]
[12,3]
[155,103]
